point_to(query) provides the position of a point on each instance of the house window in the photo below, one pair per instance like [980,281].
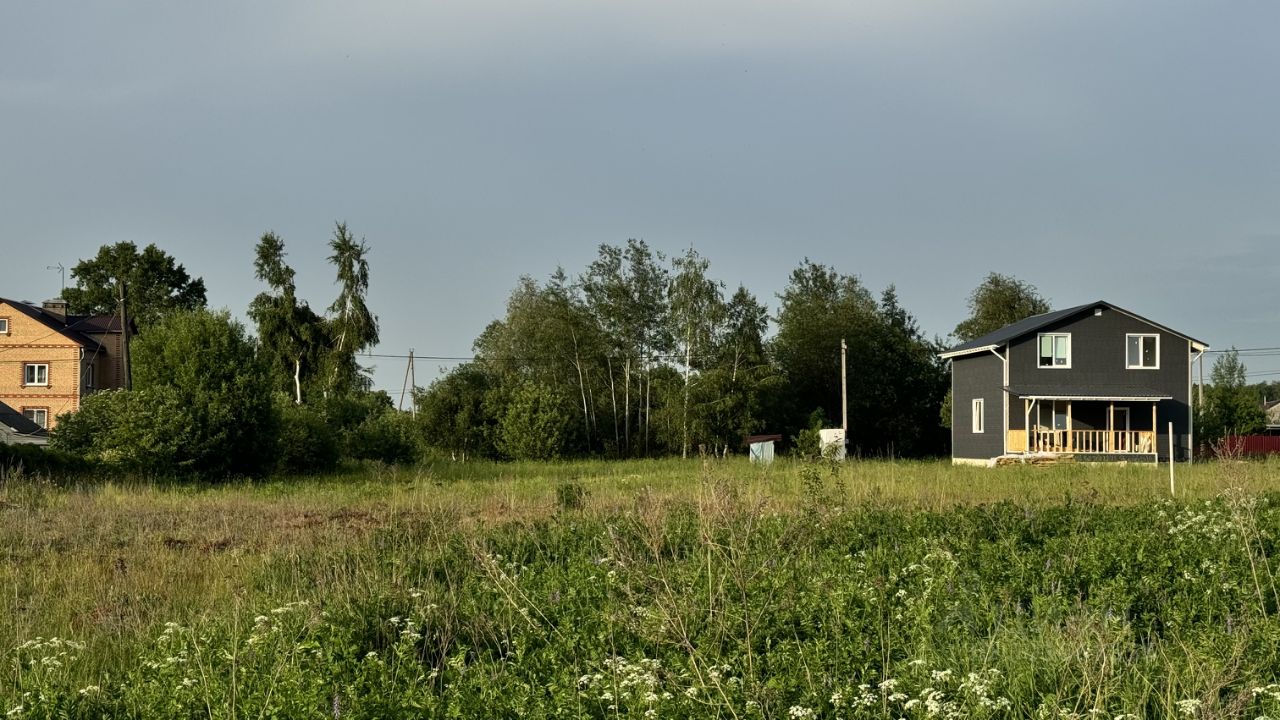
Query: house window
[1142,352]
[35,374]
[1055,350]
[39,416]
[88,377]
[4,326]
[979,420]
[1051,415]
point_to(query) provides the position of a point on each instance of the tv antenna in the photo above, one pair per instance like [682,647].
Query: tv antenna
[63,270]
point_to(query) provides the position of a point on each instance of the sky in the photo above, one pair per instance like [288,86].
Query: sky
[1097,150]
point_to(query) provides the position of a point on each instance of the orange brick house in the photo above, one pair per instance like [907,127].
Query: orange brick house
[50,361]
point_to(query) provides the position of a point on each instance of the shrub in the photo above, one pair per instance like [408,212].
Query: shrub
[307,444]
[388,437]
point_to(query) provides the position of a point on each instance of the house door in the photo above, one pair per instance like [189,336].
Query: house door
[1124,441]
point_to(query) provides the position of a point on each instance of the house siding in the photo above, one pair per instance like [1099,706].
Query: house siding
[1098,346]
[973,377]
[30,341]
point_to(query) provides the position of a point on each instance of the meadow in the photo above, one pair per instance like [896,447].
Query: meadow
[647,589]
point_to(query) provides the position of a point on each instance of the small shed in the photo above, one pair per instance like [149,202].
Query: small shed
[761,447]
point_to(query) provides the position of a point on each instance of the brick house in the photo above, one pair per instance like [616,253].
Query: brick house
[50,361]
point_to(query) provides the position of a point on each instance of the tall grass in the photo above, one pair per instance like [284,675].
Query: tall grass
[678,589]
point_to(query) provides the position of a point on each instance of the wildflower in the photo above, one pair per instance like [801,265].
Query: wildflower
[1188,708]
[799,712]
[90,690]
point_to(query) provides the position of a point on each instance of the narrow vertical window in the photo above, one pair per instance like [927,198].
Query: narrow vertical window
[979,419]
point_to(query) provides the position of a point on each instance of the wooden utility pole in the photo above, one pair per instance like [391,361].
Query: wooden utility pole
[408,373]
[844,390]
[124,337]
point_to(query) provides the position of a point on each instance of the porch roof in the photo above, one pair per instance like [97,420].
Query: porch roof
[1113,393]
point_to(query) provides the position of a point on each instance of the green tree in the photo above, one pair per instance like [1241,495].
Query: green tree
[696,309]
[895,382]
[1231,407]
[536,424]
[625,288]
[352,326]
[154,284]
[820,307]
[548,337]
[453,414]
[198,409]
[291,336]
[998,301]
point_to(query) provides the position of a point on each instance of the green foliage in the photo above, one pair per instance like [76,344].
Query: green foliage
[291,337]
[36,461]
[453,414]
[535,424]
[199,407]
[352,326]
[1231,407]
[390,437]
[155,284]
[999,300]
[307,443]
[896,382]
[690,609]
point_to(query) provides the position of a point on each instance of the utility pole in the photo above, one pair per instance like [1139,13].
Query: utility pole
[124,337]
[844,390]
[408,373]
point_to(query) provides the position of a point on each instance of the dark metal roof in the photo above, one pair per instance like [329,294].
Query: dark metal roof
[1029,325]
[54,323]
[19,423]
[1088,392]
[761,438]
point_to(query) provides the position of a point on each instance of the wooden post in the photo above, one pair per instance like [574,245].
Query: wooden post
[1155,433]
[1071,442]
[1026,423]
[1111,426]
[1171,494]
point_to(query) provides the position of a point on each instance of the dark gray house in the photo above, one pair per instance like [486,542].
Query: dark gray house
[1095,381]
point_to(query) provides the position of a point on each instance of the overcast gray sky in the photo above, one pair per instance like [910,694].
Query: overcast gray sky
[1098,150]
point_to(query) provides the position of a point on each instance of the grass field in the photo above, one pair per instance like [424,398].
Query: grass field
[648,589]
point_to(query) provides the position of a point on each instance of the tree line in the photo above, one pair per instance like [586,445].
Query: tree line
[639,354]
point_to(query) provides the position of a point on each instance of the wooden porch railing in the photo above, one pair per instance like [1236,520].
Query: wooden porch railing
[1083,441]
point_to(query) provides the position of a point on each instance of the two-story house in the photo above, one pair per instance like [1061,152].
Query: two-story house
[49,360]
[1094,381]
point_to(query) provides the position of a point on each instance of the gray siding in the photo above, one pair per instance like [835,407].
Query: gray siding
[977,376]
[1098,359]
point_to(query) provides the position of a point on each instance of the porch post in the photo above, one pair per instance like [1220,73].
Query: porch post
[1026,423]
[1071,441]
[1111,426]
[1155,435]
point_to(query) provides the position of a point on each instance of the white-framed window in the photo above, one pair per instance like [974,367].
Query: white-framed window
[4,326]
[1142,351]
[35,374]
[979,417]
[1051,415]
[1054,350]
[88,376]
[39,416]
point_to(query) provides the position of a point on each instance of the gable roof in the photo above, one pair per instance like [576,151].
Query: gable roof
[1026,326]
[54,323]
[19,423]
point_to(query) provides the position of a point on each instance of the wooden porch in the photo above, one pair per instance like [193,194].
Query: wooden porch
[1082,441]
[1059,433]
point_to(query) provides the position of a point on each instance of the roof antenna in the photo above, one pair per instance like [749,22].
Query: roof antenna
[62,269]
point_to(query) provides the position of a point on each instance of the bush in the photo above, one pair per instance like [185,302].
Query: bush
[198,410]
[390,437]
[307,444]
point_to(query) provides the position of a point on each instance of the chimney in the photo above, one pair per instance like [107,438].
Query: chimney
[56,307]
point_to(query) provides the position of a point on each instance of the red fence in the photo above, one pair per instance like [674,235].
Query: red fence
[1255,444]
